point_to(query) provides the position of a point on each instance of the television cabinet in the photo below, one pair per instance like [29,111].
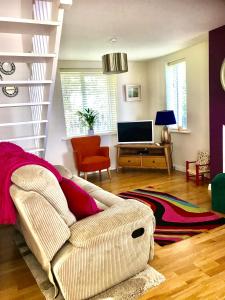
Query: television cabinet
[150,156]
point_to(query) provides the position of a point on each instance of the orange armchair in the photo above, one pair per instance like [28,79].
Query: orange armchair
[89,156]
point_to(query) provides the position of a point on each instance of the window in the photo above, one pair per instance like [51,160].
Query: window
[176,92]
[89,89]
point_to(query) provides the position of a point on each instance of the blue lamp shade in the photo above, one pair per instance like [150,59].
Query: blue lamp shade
[165,117]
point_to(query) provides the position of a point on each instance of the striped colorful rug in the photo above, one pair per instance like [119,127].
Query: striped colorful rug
[176,219]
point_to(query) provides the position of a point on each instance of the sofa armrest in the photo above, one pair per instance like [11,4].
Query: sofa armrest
[46,231]
[120,218]
[104,151]
[102,251]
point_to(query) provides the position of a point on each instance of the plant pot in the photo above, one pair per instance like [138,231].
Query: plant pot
[91,132]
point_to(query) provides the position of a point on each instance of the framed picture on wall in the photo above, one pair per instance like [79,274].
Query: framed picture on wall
[133,92]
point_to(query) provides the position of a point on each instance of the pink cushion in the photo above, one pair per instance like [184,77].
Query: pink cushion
[80,203]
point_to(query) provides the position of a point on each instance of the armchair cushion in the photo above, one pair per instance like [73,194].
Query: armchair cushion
[93,163]
[203,161]
[80,203]
[104,151]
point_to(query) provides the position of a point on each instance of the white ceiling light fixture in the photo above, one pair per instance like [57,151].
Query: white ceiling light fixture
[114,63]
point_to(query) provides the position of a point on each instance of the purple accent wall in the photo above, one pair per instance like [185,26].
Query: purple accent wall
[216,98]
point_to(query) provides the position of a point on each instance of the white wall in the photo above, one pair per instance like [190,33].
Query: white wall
[185,145]
[58,150]
[137,110]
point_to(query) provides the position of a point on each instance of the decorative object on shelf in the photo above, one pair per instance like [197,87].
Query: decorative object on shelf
[222,74]
[7,68]
[88,117]
[133,92]
[10,91]
[165,117]
[114,63]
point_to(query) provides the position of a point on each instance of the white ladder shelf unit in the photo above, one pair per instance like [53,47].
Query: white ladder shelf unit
[41,60]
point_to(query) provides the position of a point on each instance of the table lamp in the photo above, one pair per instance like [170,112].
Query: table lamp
[165,117]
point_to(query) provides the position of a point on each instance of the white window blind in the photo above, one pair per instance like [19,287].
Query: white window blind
[176,92]
[89,89]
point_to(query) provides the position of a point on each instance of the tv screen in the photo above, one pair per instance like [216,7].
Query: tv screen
[135,132]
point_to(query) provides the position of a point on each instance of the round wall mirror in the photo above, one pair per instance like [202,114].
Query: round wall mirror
[10,91]
[7,68]
[222,74]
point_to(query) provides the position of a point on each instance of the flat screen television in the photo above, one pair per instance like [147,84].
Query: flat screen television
[135,132]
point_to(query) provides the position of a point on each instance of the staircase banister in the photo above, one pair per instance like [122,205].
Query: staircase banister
[65,4]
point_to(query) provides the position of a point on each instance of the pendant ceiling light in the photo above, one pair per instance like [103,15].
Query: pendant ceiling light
[114,63]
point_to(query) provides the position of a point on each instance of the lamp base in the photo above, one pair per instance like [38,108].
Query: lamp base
[165,135]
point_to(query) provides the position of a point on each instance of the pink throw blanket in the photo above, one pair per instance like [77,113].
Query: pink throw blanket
[13,157]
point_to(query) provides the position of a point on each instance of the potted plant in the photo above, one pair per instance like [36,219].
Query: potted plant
[88,117]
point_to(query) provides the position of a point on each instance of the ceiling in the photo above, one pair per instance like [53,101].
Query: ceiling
[144,28]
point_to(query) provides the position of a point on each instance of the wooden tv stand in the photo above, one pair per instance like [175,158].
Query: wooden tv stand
[145,156]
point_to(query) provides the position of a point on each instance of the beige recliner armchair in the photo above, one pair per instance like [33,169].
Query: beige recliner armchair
[82,258]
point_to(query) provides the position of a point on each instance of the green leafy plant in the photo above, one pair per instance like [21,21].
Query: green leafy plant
[88,116]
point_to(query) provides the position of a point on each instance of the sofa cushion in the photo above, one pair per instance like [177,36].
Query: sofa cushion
[86,185]
[64,172]
[38,179]
[101,205]
[79,201]
[106,197]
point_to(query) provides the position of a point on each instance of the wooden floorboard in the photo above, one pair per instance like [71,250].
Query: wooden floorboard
[16,280]
[194,268]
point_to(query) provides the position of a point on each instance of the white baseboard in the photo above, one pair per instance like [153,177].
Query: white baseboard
[180,168]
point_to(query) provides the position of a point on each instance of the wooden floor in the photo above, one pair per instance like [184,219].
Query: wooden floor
[194,268]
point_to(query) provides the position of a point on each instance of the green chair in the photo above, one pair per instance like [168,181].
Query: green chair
[218,193]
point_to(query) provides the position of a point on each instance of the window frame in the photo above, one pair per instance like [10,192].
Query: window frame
[177,127]
[92,70]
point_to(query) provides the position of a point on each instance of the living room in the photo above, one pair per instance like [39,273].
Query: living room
[168,52]
[151,76]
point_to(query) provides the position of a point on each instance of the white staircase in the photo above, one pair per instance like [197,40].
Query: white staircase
[24,118]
